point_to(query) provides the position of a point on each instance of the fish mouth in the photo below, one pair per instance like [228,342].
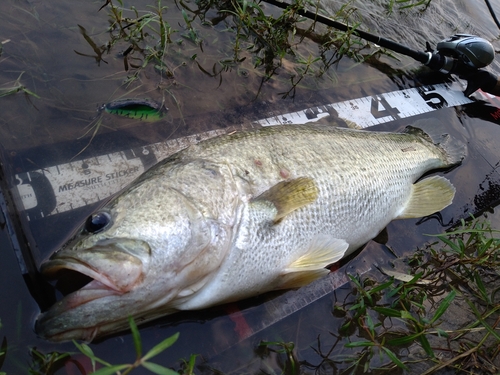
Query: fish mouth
[88,279]
[111,265]
[65,271]
[61,322]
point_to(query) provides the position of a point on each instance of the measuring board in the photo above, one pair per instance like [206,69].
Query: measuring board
[67,186]
[273,311]
[295,300]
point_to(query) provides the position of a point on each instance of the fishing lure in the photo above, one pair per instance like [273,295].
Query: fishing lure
[140,109]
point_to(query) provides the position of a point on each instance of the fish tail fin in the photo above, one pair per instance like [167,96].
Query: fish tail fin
[433,130]
[430,195]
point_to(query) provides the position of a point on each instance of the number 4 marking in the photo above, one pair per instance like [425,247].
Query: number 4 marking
[386,109]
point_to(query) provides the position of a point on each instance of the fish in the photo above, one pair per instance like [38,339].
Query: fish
[243,214]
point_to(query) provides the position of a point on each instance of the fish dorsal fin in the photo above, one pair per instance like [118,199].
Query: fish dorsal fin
[323,251]
[428,196]
[287,196]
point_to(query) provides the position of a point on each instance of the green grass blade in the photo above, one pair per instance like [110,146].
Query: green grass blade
[394,358]
[357,344]
[403,340]
[160,370]
[425,344]
[29,92]
[453,246]
[388,312]
[481,320]
[443,306]
[157,349]
[481,287]
[136,337]
[87,351]
[110,370]
[407,315]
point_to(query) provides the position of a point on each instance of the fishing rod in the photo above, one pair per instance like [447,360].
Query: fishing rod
[461,54]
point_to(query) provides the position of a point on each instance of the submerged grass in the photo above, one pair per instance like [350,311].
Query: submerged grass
[158,35]
[16,87]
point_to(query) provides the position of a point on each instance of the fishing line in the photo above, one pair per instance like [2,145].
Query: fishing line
[492,12]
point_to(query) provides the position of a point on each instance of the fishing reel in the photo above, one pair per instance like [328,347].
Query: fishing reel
[460,54]
[465,55]
[470,50]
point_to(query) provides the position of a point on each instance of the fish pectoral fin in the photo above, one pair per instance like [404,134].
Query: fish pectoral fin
[428,196]
[287,196]
[323,251]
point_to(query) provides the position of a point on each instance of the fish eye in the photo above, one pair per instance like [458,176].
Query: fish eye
[97,222]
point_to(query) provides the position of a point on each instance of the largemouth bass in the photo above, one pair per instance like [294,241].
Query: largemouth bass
[243,214]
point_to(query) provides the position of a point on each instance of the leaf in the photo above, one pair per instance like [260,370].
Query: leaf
[394,358]
[157,369]
[29,92]
[190,364]
[85,349]
[443,306]
[407,315]
[403,340]
[425,344]
[110,370]
[186,18]
[136,337]
[370,325]
[442,333]
[357,344]
[453,246]
[480,319]
[381,286]
[481,287]
[387,311]
[157,349]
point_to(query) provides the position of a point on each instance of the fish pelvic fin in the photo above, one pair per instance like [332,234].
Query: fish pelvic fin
[323,251]
[287,196]
[433,130]
[428,196]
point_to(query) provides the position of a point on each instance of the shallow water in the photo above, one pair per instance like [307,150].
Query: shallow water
[39,40]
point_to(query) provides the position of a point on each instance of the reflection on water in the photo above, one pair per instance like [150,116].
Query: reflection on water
[74,64]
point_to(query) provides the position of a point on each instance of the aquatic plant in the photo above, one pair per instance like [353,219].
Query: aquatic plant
[286,355]
[140,361]
[51,363]
[16,87]
[402,4]
[402,320]
[264,35]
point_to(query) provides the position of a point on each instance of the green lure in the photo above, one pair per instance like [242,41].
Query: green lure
[139,109]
